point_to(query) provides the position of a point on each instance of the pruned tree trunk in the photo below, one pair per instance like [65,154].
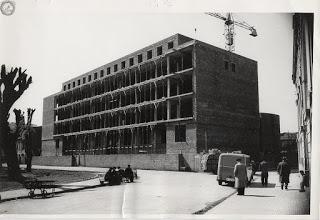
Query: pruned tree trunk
[12,85]
[8,143]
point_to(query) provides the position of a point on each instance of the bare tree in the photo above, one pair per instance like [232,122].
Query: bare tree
[12,86]
[26,136]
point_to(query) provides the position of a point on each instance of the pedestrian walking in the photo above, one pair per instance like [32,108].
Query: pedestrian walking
[302,181]
[264,172]
[240,174]
[284,172]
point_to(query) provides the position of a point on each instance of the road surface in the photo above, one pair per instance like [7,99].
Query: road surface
[154,193]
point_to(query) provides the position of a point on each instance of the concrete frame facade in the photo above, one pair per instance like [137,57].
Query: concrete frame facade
[178,96]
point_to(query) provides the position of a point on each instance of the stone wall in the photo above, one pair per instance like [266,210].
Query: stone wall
[137,161]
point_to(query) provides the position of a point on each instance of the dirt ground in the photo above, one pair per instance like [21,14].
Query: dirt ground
[60,176]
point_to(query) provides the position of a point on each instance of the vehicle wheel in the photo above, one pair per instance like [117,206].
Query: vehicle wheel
[219,182]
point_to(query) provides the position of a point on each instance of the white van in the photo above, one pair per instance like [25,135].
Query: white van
[226,164]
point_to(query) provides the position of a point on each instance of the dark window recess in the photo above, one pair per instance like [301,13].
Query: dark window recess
[123,64]
[180,133]
[149,54]
[226,65]
[78,82]
[115,68]
[69,86]
[170,45]
[131,61]
[101,73]
[89,78]
[108,70]
[95,75]
[233,67]
[64,88]
[84,80]
[74,84]
[159,51]
[139,58]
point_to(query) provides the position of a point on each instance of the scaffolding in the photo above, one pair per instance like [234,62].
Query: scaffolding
[126,112]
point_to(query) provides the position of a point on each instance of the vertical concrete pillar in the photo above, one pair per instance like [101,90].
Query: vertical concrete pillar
[168,87]
[168,109]
[168,65]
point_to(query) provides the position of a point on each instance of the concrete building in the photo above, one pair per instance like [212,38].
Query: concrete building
[156,108]
[288,147]
[302,78]
[269,137]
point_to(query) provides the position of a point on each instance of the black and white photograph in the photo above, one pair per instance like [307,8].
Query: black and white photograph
[152,110]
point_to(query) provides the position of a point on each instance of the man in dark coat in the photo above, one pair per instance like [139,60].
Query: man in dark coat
[284,172]
[264,172]
[129,173]
[240,176]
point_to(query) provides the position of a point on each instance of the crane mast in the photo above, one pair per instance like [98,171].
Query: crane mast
[229,32]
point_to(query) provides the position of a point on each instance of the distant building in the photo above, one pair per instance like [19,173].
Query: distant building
[302,78]
[36,144]
[269,137]
[288,147]
[156,108]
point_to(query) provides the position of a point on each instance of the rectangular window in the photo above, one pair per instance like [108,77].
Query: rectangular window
[95,75]
[89,78]
[149,54]
[159,51]
[123,64]
[226,65]
[115,68]
[73,84]
[233,67]
[78,82]
[64,88]
[170,45]
[139,58]
[84,80]
[101,73]
[180,133]
[108,70]
[69,86]
[131,62]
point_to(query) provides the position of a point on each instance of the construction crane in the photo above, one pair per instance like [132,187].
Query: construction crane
[229,24]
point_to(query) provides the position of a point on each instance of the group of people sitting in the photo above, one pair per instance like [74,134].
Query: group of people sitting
[117,175]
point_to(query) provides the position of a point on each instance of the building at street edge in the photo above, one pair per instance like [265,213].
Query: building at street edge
[156,108]
[302,78]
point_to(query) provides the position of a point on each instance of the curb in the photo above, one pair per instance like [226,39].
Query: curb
[59,192]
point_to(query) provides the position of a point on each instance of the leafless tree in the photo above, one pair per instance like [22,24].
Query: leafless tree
[12,85]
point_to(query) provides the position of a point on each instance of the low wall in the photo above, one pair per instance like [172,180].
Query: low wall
[64,161]
[137,161]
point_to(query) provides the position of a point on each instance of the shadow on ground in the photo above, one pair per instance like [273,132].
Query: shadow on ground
[259,185]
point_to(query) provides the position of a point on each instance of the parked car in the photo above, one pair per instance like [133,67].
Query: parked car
[226,165]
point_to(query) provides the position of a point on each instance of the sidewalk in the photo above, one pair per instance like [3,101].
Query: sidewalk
[23,193]
[272,200]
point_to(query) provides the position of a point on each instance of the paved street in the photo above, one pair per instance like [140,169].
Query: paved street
[168,193]
[155,192]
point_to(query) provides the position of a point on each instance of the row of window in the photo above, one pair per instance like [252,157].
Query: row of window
[158,51]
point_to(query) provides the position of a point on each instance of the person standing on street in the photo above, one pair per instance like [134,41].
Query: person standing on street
[284,172]
[240,175]
[129,173]
[264,172]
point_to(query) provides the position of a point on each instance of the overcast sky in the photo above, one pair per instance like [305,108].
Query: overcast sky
[56,41]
